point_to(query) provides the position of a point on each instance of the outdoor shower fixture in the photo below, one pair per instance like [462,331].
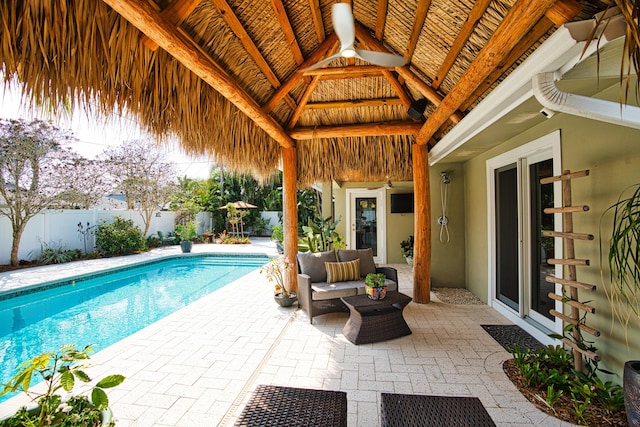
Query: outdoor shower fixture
[443,221]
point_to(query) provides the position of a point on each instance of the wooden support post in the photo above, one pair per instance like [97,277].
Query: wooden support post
[422,225]
[290,214]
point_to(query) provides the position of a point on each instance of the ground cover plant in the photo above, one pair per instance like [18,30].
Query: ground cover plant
[546,377]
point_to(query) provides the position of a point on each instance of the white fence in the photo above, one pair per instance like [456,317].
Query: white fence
[60,228]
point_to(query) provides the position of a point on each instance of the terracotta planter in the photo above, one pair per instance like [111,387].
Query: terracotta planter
[631,385]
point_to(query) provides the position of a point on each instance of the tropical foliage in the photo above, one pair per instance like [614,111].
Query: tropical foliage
[119,237]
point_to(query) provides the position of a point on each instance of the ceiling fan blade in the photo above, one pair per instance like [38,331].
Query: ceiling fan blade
[343,25]
[381,58]
[322,63]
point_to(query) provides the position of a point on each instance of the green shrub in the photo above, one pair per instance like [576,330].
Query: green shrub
[57,254]
[119,237]
[153,242]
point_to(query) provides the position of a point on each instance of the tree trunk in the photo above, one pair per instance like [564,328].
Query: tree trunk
[17,234]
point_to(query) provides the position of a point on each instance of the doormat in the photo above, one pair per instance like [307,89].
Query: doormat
[508,335]
[413,410]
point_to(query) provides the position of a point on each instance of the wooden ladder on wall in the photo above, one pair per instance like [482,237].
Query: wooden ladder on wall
[571,299]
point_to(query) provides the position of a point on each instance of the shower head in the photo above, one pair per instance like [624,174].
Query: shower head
[445,177]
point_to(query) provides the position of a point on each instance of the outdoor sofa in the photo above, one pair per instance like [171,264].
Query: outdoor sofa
[325,277]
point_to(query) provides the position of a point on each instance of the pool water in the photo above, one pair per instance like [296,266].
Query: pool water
[107,308]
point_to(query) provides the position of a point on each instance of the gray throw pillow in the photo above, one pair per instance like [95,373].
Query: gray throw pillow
[312,264]
[367,265]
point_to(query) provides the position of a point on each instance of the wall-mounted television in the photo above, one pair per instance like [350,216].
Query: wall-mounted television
[402,203]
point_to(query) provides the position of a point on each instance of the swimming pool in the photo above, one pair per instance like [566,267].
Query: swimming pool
[107,307]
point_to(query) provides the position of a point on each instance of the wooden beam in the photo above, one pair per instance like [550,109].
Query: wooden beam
[287,29]
[353,104]
[400,90]
[361,129]
[521,18]
[381,19]
[326,46]
[142,16]
[246,40]
[175,13]
[290,214]
[539,30]
[422,225]
[318,24]
[461,39]
[352,72]
[418,23]
[303,101]
[426,90]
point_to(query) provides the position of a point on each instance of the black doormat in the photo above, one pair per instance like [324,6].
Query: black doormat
[289,406]
[508,335]
[413,410]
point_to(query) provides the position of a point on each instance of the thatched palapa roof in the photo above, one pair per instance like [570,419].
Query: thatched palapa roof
[348,121]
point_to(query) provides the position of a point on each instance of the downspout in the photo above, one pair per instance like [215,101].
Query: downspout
[551,97]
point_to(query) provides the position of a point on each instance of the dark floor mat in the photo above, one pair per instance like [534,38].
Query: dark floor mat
[508,335]
[289,406]
[413,410]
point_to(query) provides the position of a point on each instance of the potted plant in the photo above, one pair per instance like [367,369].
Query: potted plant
[186,233]
[406,247]
[274,270]
[60,370]
[277,235]
[624,291]
[376,289]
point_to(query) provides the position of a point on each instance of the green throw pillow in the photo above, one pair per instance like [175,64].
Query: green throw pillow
[343,271]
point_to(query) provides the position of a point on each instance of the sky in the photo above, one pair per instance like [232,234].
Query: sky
[97,134]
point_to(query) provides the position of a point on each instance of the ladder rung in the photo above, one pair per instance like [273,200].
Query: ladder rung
[574,322]
[571,283]
[565,177]
[567,209]
[590,354]
[571,303]
[574,236]
[568,261]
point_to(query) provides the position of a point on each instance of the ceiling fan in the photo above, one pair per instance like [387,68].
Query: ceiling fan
[344,28]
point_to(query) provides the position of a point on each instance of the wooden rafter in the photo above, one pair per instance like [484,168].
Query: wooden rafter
[353,104]
[400,90]
[381,18]
[246,40]
[356,71]
[366,129]
[287,29]
[175,13]
[142,16]
[318,24]
[303,101]
[418,23]
[521,18]
[328,45]
[461,39]
[560,13]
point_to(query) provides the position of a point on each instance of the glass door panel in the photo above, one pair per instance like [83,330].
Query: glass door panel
[366,212]
[507,244]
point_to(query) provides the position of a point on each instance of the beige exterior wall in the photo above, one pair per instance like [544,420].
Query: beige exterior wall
[448,260]
[612,154]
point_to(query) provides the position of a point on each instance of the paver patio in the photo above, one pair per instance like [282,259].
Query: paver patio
[198,366]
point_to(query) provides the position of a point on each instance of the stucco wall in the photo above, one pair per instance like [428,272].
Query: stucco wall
[612,154]
[448,259]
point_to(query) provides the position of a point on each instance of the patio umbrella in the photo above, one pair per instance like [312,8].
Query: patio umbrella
[240,205]
[237,220]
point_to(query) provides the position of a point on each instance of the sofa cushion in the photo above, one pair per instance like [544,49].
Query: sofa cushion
[367,265]
[342,271]
[312,264]
[325,291]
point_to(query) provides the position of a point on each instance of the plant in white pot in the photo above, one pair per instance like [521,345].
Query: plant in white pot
[59,371]
[406,247]
[623,291]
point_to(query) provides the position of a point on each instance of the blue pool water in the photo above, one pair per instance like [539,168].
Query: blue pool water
[109,307]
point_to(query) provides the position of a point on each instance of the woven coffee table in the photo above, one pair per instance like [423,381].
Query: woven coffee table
[375,320]
[276,406]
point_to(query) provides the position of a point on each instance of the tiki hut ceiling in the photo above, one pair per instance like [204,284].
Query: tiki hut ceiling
[228,79]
